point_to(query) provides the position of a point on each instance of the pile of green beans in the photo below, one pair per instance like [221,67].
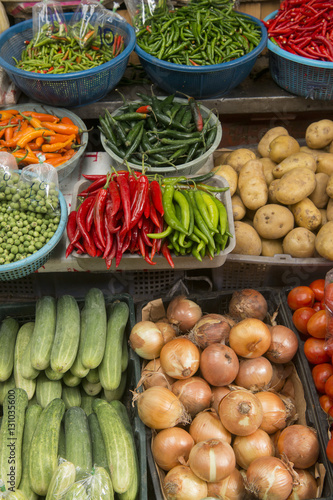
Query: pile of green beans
[198,34]
[164,134]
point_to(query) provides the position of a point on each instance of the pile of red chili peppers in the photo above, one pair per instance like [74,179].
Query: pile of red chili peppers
[116,214]
[304,28]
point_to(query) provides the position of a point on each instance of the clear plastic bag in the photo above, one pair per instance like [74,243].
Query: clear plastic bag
[139,10]
[47,21]
[87,22]
[62,479]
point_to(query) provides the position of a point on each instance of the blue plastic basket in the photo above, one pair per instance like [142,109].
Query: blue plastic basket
[30,264]
[202,81]
[70,89]
[298,75]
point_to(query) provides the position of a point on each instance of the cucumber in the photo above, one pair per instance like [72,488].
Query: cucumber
[71,396]
[76,492]
[27,370]
[22,340]
[43,457]
[47,390]
[32,415]
[86,402]
[124,354]
[5,387]
[91,389]
[78,441]
[110,368]
[62,479]
[71,380]
[62,442]
[93,376]
[119,392]
[11,437]
[77,367]
[97,442]
[16,495]
[33,400]
[118,445]
[43,335]
[96,322]
[67,334]
[100,487]
[52,375]
[8,332]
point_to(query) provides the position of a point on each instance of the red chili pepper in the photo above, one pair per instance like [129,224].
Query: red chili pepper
[83,209]
[119,252]
[144,109]
[108,239]
[153,249]
[134,239]
[153,215]
[99,209]
[114,196]
[146,209]
[111,219]
[109,258]
[146,229]
[133,187]
[71,225]
[94,177]
[94,235]
[159,230]
[156,196]
[93,187]
[90,216]
[126,202]
[142,196]
[142,247]
[166,253]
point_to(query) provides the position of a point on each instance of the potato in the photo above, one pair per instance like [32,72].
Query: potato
[324,241]
[299,243]
[319,134]
[220,156]
[295,185]
[263,145]
[306,214]
[329,148]
[248,241]
[238,208]
[229,174]
[314,152]
[273,221]
[295,160]
[269,248]
[329,210]
[267,168]
[325,163]
[329,187]
[271,191]
[319,196]
[252,185]
[323,213]
[239,157]
[281,147]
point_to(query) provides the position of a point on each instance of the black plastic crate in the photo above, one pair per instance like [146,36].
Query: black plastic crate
[218,302]
[25,312]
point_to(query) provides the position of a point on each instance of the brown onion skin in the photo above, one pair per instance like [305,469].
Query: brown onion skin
[259,443]
[307,487]
[153,374]
[183,312]
[180,358]
[259,480]
[240,412]
[250,338]
[275,412]
[171,447]
[230,488]
[168,330]
[177,480]
[210,329]
[212,470]
[247,303]
[254,374]
[194,392]
[284,344]
[207,425]
[219,364]
[217,394]
[300,445]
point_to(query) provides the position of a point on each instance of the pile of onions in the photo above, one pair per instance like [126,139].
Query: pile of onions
[230,488]
[182,484]
[306,486]
[284,344]
[210,329]
[217,394]
[194,392]
[241,412]
[212,460]
[268,477]
[274,412]
[180,358]
[207,425]
[219,364]
[247,303]
[146,339]
[299,443]
[254,374]
[250,338]
[153,374]
[168,330]
[171,447]
[184,313]
[255,445]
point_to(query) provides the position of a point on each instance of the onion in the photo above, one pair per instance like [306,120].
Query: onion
[230,488]
[167,330]
[269,478]
[275,413]
[217,394]
[248,448]
[278,377]
[247,303]
[153,374]
[210,329]
[181,483]
[241,412]
[212,460]
[146,339]
[207,425]
[180,358]
[171,447]
[159,408]
[254,374]
[306,487]
[250,338]
[219,364]
[184,313]
[284,344]
[299,443]
[194,392]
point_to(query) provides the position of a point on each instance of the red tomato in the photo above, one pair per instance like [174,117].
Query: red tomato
[317,306]
[301,317]
[317,325]
[329,450]
[320,373]
[329,387]
[314,350]
[325,402]
[328,296]
[318,287]
[300,296]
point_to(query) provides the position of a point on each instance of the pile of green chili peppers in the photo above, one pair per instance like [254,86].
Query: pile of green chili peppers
[53,50]
[201,33]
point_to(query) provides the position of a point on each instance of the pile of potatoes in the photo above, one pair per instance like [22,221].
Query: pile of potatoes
[282,193]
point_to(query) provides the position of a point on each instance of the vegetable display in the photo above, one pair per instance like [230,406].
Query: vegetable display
[304,28]
[201,33]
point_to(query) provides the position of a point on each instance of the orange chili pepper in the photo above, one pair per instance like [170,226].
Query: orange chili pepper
[67,120]
[11,111]
[36,145]
[5,115]
[51,148]
[62,128]
[21,154]
[9,132]
[42,116]
[52,139]
[13,142]
[30,136]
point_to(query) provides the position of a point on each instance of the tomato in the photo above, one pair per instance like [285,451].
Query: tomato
[320,374]
[318,287]
[301,317]
[329,450]
[314,350]
[325,402]
[329,387]
[328,296]
[317,325]
[300,296]
[317,306]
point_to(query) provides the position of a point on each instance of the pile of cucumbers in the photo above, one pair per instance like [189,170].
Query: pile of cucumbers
[62,376]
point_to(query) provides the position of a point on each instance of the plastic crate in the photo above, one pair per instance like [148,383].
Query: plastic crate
[299,75]
[217,302]
[202,81]
[25,312]
[69,89]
